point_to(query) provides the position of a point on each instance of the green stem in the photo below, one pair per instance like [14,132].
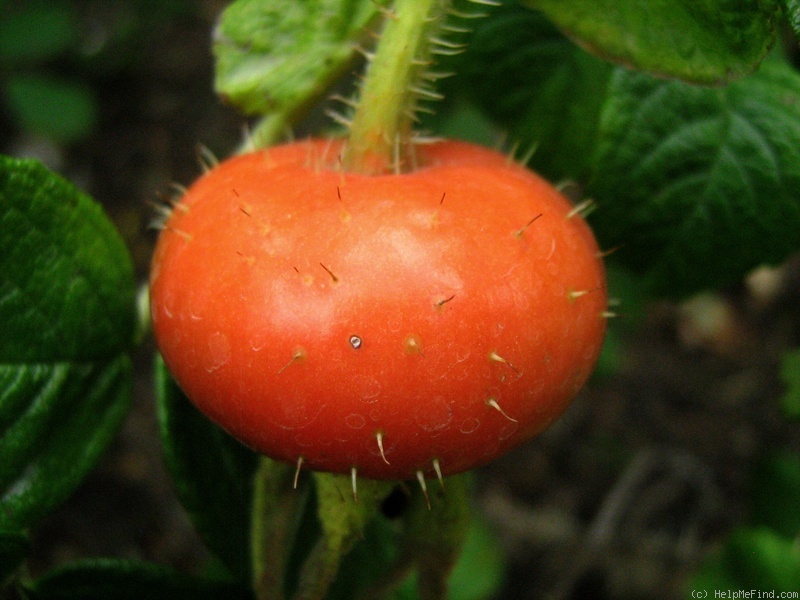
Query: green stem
[380,134]
[271,515]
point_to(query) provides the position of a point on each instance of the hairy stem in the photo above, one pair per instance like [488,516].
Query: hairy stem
[380,134]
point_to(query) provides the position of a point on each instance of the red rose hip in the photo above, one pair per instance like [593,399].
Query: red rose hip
[424,322]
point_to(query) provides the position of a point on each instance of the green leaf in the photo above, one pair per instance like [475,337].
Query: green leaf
[68,316]
[790,374]
[776,493]
[536,83]
[56,419]
[753,558]
[762,559]
[36,30]
[277,57]
[480,570]
[66,280]
[61,109]
[14,545]
[102,579]
[701,41]
[343,519]
[213,474]
[791,9]
[699,185]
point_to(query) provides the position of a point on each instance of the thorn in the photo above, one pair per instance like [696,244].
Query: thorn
[583,209]
[379,437]
[455,29]
[438,468]
[486,2]
[349,102]
[604,253]
[206,158]
[298,355]
[518,234]
[608,314]
[493,403]
[494,356]
[297,472]
[187,236]
[178,189]
[339,118]
[575,294]
[447,51]
[423,485]
[333,277]
[437,41]
[441,303]
[525,158]
[353,481]
[425,93]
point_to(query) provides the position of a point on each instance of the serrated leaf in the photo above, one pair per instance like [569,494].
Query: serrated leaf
[212,472]
[536,83]
[68,315]
[56,419]
[102,579]
[66,280]
[709,41]
[278,56]
[699,185]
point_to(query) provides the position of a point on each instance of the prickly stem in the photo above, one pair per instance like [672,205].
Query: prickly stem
[380,133]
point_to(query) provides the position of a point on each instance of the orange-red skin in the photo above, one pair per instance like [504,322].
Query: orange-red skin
[274,260]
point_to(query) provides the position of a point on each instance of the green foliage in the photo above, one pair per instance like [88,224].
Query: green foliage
[212,472]
[37,31]
[790,373]
[690,178]
[31,35]
[708,41]
[102,579]
[537,84]
[762,554]
[67,290]
[275,58]
[68,316]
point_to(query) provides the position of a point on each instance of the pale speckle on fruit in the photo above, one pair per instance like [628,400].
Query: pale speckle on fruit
[355,421]
[219,351]
[366,387]
[469,425]
[432,413]
[355,342]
